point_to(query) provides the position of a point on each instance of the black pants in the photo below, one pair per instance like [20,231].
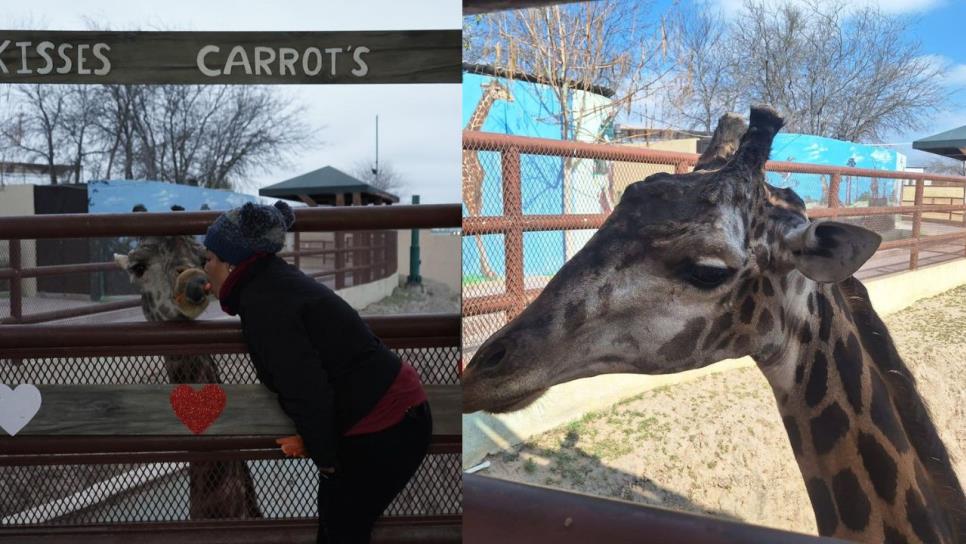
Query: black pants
[373,469]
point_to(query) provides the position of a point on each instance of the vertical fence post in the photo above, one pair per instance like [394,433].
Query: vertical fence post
[414,257]
[917,222]
[833,192]
[963,213]
[339,259]
[16,282]
[513,242]
[367,239]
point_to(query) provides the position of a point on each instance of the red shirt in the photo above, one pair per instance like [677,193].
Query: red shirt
[404,393]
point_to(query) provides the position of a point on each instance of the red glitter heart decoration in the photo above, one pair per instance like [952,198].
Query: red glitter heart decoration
[198,409]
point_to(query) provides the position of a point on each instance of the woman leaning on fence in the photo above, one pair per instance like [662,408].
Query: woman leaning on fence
[360,413]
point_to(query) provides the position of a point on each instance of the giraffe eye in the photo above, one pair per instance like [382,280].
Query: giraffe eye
[706,277]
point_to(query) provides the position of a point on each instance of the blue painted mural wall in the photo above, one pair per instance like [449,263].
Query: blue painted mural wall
[120,196]
[531,113]
[855,191]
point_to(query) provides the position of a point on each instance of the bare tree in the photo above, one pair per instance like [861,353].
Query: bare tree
[37,129]
[218,135]
[597,58]
[573,48]
[837,71]
[386,178]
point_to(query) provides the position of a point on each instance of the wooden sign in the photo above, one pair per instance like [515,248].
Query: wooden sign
[159,409]
[409,56]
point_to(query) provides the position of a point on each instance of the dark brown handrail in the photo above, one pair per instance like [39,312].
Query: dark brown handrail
[83,225]
[440,529]
[511,512]
[198,333]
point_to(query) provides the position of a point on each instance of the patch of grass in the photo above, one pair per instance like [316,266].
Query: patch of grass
[529,466]
[476,279]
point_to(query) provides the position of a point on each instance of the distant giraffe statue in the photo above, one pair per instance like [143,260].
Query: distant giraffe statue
[716,264]
[168,272]
[473,172]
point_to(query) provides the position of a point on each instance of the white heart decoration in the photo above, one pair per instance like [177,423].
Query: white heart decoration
[18,406]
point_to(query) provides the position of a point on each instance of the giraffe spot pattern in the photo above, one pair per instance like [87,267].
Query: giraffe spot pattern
[932,503]
[840,299]
[799,372]
[919,518]
[720,326]
[741,343]
[882,469]
[791,428]
[884,415]
[765,321]
[805,334]
[848,361]
[892,535]
[854,505]
[817,380]
[825,516]
[825,316]
[828,427]
[811,303]
[767,288]
[759,230]
[682,344]
[747,309]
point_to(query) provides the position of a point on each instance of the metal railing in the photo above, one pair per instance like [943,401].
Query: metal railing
[512,223]
[534,514]
[66,467]
[359,254]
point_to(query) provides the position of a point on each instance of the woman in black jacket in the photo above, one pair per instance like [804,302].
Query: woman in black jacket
[360,411]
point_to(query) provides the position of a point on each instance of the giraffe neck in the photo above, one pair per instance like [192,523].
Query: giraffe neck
[481,111]
[871,473]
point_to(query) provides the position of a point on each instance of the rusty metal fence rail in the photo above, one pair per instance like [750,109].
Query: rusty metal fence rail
[531,204]
[535,514]
[359,254]
[66,488]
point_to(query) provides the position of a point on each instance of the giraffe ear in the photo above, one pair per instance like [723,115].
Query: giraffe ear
[829,251]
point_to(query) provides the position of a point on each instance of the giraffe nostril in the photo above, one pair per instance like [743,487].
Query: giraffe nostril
[195,290]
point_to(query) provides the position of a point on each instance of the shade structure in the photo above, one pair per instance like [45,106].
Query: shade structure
[328,186]
[951,143]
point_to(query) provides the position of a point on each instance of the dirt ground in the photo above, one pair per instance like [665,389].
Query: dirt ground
[431,297]
[717,445]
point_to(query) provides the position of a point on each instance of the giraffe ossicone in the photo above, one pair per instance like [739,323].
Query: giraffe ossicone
[694,268]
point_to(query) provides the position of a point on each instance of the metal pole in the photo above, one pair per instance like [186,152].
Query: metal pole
[414,277]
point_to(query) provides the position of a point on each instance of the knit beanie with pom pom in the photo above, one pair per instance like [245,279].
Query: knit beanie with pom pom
[240,233]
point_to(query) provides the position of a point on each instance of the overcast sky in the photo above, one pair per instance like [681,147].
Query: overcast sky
[419,125]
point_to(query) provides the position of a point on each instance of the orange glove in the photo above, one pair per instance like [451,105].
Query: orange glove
[292,446]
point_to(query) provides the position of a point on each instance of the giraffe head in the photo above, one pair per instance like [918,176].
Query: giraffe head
[168,271]
[689,269]
[496,91]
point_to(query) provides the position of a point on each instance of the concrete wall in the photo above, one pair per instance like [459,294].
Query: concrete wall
[19,200]
[360,296]
[439,253]
[484,433]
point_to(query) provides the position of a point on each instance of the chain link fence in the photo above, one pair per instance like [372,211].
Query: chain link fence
[531,204]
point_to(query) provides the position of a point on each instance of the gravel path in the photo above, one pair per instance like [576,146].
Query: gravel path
[717,445]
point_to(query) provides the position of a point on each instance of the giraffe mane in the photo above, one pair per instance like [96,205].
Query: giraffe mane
[913,412]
